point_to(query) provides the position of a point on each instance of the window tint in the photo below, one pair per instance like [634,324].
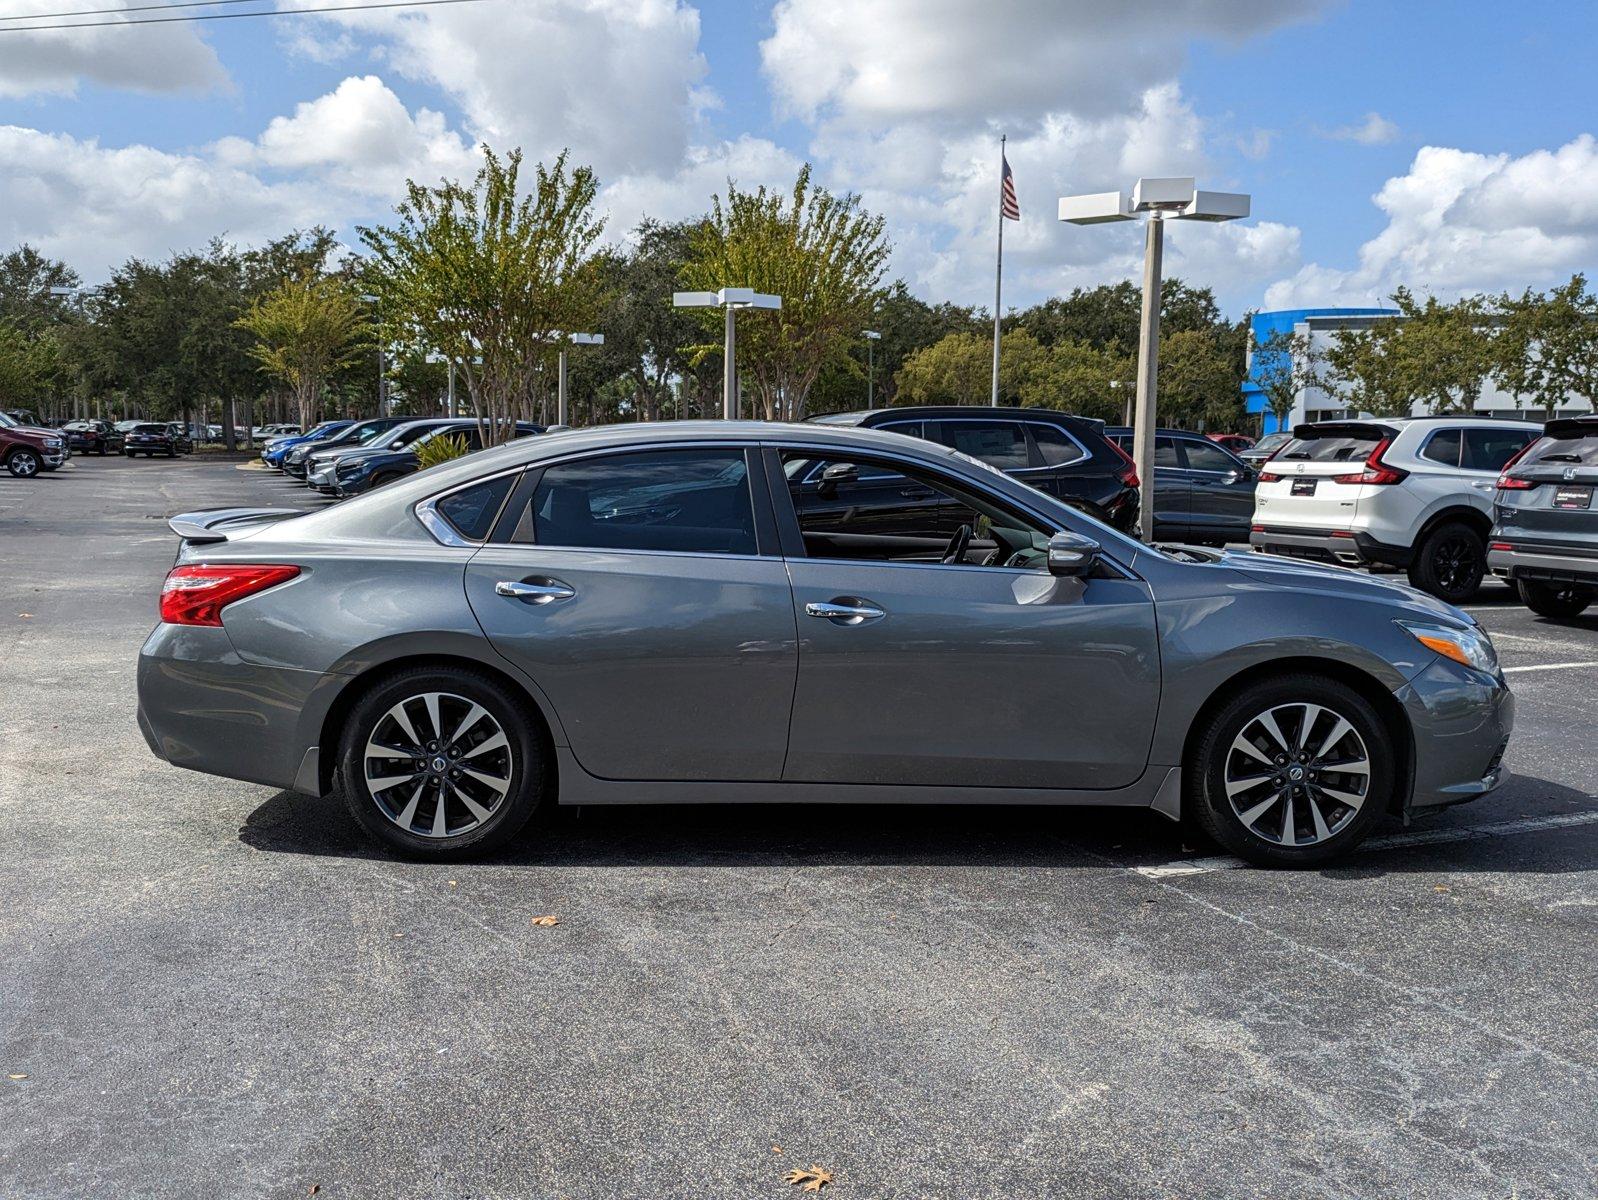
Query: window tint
[1057,447]
[908,428]
[1354,447]
[1490,449]
[472,510]
[1583,451]
[851,508]
[1443,447]
[1165,452]
[668,500]
[999,443]
[1206,456]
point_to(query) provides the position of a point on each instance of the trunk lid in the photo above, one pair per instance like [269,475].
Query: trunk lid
[1302,493]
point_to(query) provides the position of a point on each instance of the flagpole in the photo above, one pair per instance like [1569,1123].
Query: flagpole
[998,280]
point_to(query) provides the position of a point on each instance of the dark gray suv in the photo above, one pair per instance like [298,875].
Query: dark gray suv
[1545,530]
[676,613]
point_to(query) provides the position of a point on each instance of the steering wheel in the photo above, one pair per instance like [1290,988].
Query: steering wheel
[958,545]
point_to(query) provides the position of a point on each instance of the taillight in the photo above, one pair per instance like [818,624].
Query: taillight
[1128,473]
[1517,485]
[197,594]
[1269,476]
[1376,471]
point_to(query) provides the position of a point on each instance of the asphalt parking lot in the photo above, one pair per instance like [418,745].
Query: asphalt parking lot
[216,989]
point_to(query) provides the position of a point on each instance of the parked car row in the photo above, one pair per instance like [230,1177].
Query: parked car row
[345,458]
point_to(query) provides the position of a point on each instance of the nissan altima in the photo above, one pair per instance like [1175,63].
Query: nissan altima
[749,612]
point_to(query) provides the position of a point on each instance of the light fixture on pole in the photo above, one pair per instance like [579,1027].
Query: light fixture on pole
[872,338]
[1162,200]
[570,339]
[730,300]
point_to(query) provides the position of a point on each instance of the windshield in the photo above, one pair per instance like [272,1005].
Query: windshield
[1582,451]
[6,422]
[1272,440]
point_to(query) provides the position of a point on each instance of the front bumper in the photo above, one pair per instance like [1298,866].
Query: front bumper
[1349,548]
[52,458]
[1461,721]
[1542,562]
[204,708]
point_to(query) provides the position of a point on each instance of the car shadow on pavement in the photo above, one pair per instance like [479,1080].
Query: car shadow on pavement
[740,835]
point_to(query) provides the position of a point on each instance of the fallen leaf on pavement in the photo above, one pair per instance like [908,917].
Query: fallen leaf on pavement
[19,1077]
[812,1178]
[776,1149]
[313,1189]
[26,616]
[546,920]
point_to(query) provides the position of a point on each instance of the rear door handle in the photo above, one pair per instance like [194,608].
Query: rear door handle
[916,493]
[844,610]
[534,591]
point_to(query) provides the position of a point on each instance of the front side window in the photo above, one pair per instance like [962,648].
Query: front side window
[860,509]
[673,501]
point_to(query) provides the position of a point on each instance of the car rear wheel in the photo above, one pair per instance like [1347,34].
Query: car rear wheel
[24,464]
[441,764]
[1450,563]
[1292,772]
[1554,599]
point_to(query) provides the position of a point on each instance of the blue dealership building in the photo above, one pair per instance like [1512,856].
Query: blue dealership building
[1319,324]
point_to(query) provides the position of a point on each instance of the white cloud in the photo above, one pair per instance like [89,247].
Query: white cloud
[1374,130]
[875,61]
[686,192]
[145,58]
[617,81]
[1461,222]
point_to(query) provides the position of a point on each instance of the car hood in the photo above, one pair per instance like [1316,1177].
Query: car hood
[34,431]
[1341,581]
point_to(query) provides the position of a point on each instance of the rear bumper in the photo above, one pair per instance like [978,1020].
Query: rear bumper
[1350,548]
[204,708]
[1554,564]
[1461,721]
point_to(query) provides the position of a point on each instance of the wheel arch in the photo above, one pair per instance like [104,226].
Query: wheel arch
[331,727]
[1453,511]
[1367,685]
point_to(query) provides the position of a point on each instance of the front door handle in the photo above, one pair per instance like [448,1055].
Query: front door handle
[534,591]
[844,610]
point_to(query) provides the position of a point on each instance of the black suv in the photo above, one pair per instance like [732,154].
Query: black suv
[1545,522]
[1065,456]
[152,438]
[1202,491]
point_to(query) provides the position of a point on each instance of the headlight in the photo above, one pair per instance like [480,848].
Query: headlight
[1468,647]
[346,469]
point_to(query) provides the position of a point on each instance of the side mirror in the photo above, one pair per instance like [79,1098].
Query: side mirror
[1234,476]
[833,474]
[1071,555]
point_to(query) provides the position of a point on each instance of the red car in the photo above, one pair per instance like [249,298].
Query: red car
[25,450]
[1235,442]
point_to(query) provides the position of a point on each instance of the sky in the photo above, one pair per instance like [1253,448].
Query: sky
[1446,145]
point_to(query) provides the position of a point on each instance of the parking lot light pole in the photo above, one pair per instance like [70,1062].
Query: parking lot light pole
[872,338]
[730,300]
[570,339]
[1161,200]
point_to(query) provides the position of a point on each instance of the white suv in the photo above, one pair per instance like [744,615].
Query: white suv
[1407,492]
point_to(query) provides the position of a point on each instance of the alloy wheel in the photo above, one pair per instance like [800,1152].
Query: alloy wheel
[1297,774]
[24,464]
[1455,562]
[438,765]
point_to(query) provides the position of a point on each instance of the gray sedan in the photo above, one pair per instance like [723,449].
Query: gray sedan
[704,612]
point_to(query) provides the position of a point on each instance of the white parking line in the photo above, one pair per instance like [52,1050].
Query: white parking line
[1397,841]
[1550,667]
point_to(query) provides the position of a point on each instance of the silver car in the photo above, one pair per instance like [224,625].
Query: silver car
[704,612]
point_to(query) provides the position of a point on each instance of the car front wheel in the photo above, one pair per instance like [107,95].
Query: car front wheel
[1291,772]
[1554,599]
[24,464]
[442,764]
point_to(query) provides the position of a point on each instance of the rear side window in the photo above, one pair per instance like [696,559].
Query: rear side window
[1582,451]
[1165,452]
[999,443]
[472,510]
[683,501]
[1341,448]
[1057,447]
[1206,456]
[908,428]
[1490,449]
[1443,447]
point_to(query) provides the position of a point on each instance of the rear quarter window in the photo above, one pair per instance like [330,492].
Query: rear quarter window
[1579,451]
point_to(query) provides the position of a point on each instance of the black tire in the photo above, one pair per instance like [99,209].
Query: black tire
[524,763]
[380,480]
[1554,599]
[101,450]
[169,454]
[1213,813]
[1450,562]
[24,463]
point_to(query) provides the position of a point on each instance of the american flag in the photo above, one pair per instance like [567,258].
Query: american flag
[1009,206]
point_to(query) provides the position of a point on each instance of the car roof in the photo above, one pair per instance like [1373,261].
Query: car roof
[969,412]
[1118,430]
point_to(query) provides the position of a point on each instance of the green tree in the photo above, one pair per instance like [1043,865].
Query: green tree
[1369,368]
[489,276]
[27,365]
[1285,364]
[823,254]
[1445,352]
[26,303]
[1199,381]
[1547,345]
[306,330]
[1109,315]
[959,370]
